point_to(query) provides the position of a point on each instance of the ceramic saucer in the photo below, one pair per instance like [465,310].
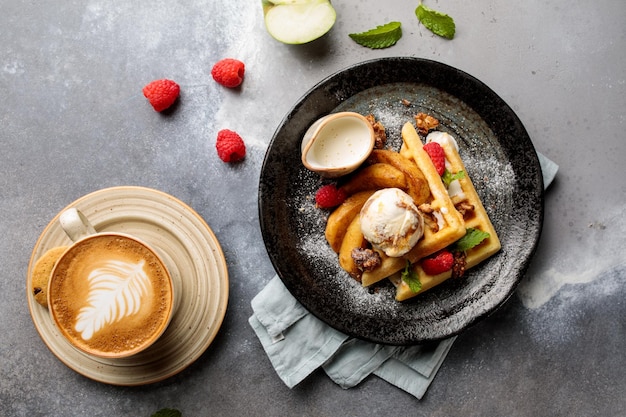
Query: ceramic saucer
[194,257]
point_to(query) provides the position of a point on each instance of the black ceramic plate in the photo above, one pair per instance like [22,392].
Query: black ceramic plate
[499,158]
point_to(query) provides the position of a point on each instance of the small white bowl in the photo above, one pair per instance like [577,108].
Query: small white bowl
[337,144]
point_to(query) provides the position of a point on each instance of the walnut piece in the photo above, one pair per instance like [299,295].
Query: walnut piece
[429,218]
[425,123]
[464,207]
[366,259]
[380,136]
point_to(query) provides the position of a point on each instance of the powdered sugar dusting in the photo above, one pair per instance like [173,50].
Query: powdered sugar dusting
[311,268]
[319,255]
[492,174]
[394,105]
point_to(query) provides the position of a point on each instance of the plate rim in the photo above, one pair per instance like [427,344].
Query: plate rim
[477,84]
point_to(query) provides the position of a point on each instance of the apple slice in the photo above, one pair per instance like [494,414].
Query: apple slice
[288,1]
[298,21]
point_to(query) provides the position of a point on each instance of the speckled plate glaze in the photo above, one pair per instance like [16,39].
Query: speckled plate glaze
[499,157]
[192,254]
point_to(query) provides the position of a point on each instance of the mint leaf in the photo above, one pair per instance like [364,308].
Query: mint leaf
[472,238]
[382,37]
[411,279]
[439,23]
[448,177]
[167,412]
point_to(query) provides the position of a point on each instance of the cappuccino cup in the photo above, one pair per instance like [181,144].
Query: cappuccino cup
[110,294]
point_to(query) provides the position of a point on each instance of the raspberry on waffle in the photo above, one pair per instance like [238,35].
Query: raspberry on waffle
[476,218]
[452,227]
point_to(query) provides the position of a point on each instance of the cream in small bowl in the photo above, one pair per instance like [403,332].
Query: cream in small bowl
[337,144]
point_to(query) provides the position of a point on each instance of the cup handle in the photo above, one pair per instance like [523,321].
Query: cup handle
[75,224]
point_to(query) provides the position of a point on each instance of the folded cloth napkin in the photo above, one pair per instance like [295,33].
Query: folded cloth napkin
[297,343]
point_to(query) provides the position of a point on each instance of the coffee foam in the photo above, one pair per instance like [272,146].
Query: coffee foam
[110,295]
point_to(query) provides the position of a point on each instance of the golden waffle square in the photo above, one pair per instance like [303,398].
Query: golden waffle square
[452,226]
[476,218]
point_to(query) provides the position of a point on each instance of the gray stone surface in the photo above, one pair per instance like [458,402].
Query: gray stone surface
[73,120]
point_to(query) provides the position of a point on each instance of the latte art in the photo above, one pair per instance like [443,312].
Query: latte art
[110,295]
[116,291]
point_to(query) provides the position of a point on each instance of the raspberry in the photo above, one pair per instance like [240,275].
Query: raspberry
[329,196]
[161,93]
[437,155]
[230,146]
[228,72]
[438,263]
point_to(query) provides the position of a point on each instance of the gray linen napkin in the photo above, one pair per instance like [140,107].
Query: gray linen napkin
[297,343]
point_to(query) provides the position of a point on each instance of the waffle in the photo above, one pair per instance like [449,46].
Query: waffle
[421,180]
[476,218]
[452,226]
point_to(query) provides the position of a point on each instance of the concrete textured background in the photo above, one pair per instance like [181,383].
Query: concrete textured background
[73,120]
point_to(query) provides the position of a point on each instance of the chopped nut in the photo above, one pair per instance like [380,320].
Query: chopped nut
[366,259]
[464,208]
[425,123]
[460,262]
[429,218]
[425,208]
[380,136]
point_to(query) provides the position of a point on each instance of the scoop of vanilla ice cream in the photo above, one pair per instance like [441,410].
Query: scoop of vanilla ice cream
[391,222]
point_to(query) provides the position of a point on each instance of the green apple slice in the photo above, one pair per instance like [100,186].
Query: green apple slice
[298,21]
[288,1]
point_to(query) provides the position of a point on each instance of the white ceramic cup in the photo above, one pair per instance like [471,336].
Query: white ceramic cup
[110,294]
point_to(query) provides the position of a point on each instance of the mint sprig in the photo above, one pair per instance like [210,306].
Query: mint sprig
[473,237]
[448,177]
[410,277]
[438,23]
[381,37]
